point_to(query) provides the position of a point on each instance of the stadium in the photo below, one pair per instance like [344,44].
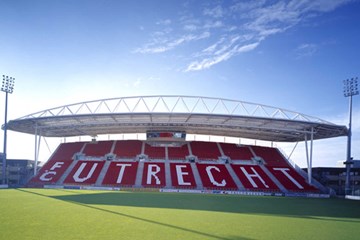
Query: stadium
[179,120]
[165,159]
[165,174]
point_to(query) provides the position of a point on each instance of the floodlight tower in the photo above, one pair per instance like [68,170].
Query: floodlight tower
[350,89]
[7,87]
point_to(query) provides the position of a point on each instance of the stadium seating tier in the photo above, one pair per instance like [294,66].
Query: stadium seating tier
[66,151]
[205,150]
[236,152]
[215,176]
[178,153]
[182,175]
[85,173]
[128,148]
[272,174]
[98,149]
[121,174]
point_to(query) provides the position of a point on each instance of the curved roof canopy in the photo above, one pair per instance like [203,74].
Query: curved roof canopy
[193,115]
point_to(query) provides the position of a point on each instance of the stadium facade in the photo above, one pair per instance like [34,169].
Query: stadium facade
[165,157]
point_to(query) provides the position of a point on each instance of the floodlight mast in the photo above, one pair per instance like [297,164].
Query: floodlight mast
[7,87]
[350,89]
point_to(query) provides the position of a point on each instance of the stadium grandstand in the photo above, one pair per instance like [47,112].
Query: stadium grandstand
[166,159]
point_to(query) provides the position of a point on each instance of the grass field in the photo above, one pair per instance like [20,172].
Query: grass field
[74,214]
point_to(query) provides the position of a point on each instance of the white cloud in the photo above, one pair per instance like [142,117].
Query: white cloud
[318,5]
[221,56]
[164,22]
[213,47]
[213,24]
[251,21]
[272,19]
[152,79]
[248,47]
[163,45]
[306,50]
[247,6]
[216,12]
[190,27]
[137,83]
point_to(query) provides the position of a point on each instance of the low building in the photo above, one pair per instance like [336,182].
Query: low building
[334,178]
[18,171]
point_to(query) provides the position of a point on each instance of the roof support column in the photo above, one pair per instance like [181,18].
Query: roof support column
[37,149]
[309,158]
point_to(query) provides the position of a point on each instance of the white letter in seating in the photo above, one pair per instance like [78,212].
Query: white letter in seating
[79,171]
[254,175]
[122,170]
[213,181]
[284,171]
[152,173]
[44,177]
[180,175]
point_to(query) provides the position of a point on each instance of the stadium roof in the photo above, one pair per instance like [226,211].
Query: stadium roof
[191,114]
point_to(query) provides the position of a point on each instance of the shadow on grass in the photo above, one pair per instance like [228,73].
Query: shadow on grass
[84,204]
[331,209]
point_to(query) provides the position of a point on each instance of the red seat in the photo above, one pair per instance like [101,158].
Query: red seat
[85,172]
[254,178]
[271,156]
[128,148]
[182,175]
[291,179]
[153,175]
[98,149]
[236,152]
[66,151]
[215,176]
[121,174]
[205,150]
[154,152]
[51,172]
[178,153]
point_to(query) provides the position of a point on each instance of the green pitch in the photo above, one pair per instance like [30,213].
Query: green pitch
[73,214]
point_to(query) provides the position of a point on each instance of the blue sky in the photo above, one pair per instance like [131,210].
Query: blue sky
[288,54]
